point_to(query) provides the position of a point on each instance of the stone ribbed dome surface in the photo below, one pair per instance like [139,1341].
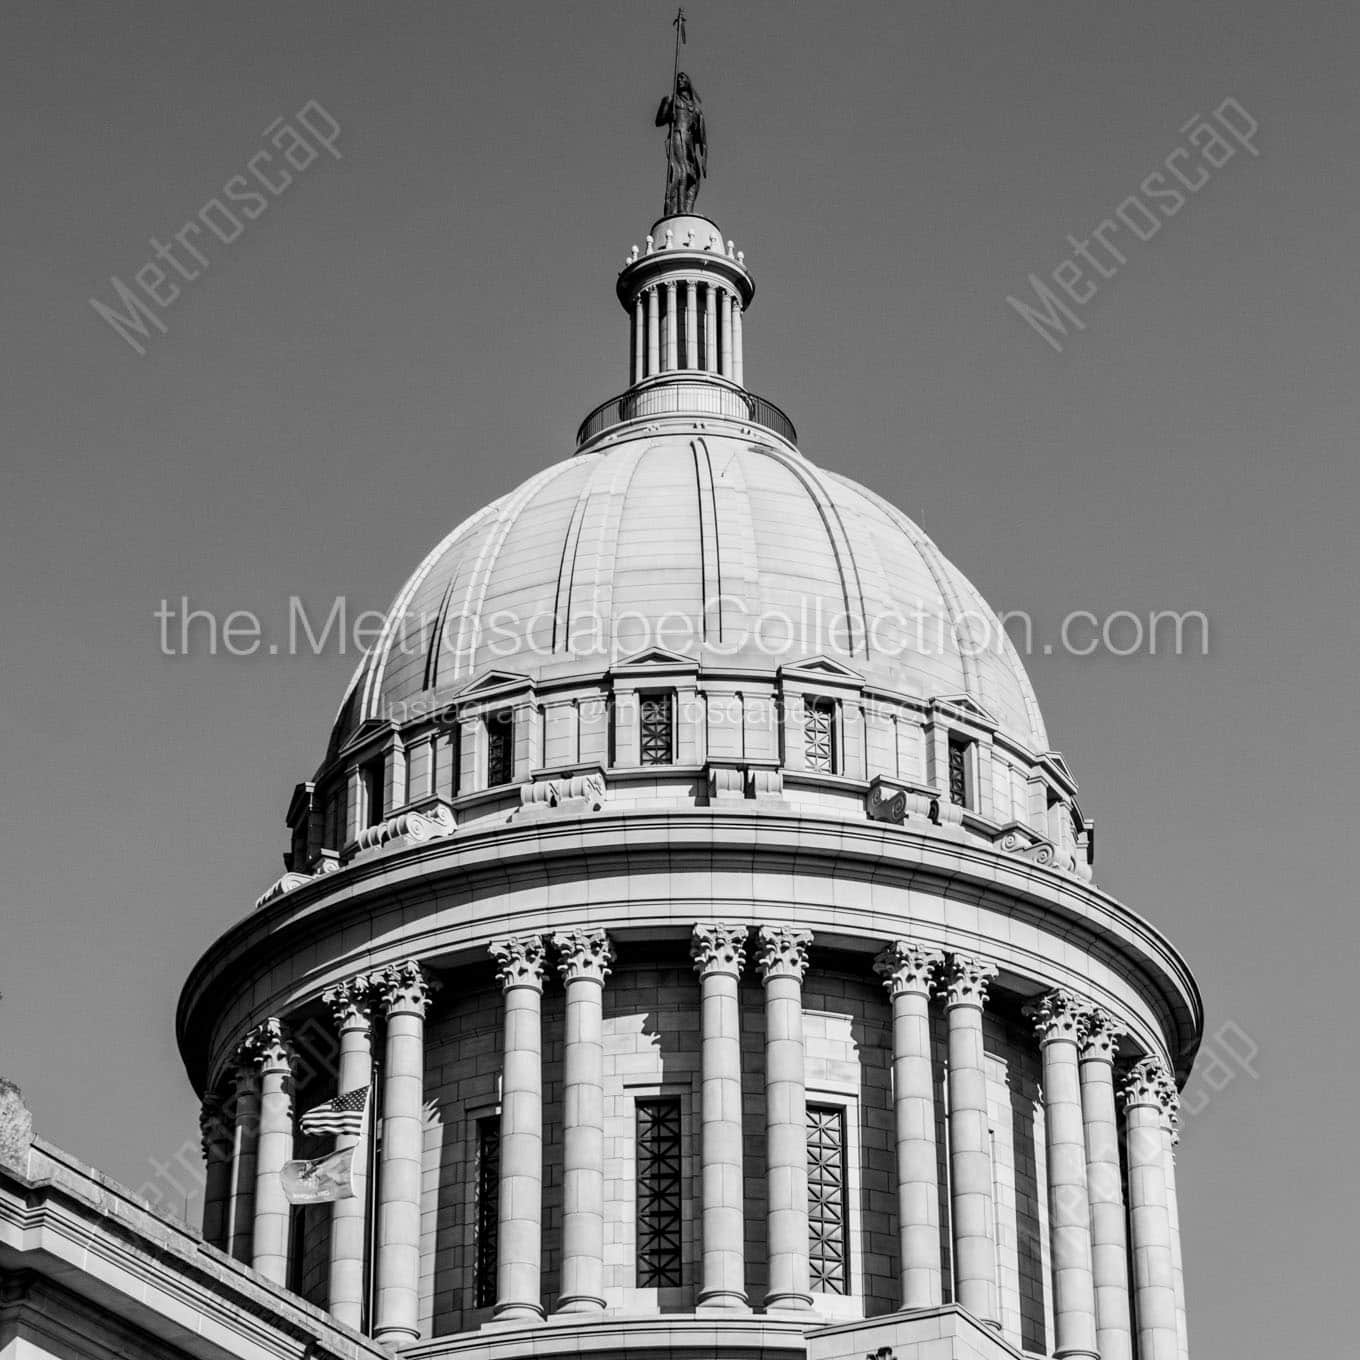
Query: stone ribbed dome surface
[737,553]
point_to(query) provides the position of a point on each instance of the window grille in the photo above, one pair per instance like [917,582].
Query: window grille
[658,729]
[659,1247]
[958,772]
[827,1228]
[819,733]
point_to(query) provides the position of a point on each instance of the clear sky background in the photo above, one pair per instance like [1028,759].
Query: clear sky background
[416,328]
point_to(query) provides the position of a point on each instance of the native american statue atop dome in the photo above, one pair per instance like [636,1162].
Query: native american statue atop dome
[686,145]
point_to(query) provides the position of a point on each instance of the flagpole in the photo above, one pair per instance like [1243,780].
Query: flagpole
[371,1196]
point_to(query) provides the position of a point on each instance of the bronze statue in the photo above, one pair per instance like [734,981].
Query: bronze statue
[686,145]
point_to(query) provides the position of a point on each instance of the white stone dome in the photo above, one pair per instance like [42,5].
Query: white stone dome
[724,546]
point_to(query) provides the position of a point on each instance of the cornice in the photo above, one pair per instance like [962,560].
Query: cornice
[493,859]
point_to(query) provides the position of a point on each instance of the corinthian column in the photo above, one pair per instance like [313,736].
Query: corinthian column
[519,1236]
[1170,1137]
[1154,1289]
[1109,1245]
[907,971]
[725,319]
[351,1004]
[268,1048]
[216,1132]
[240,1228]
[972,1211]
[584,958]
[1058,1020]
[406,994]
[653,333]
[672,328]
[781,956]
[719,951]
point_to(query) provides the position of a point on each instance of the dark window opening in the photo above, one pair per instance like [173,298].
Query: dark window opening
[827,1221]
[500,748]
[375,778]
[488,1208]
[659,1245]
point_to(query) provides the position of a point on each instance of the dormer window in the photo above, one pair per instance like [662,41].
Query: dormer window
[960,770]
[656,721]
[819,734]
[500,748]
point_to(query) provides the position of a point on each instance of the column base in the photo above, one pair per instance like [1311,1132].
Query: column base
[395,1336]
[1076,1354]
[723,1301]
[788,1303]
[517,1312]
[579,1303]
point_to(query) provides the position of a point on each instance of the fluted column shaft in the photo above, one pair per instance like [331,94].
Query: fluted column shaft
[405,992]
[519,1238]
[240,1230]
[272,1055]
[672,328]
[782,959]
[972,1211]
[217,1134]
[351,1005]
[1059,1019]
[738,364]
[691,324]
[639,339]
[711,328]
[653,335]
[1154,1289]
[1170,1137]
[907,971]
[725,354]
[584,961]
[1109,1243]
[719,951]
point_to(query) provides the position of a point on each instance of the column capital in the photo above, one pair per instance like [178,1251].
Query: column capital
[212,1126]
[782,952]
[718,947]
[583,954]
[405,988]
[266,1048]
[1171,1110]
[1059,1016]
[1100,1037]
[906,966]
[520,961]
[1148,1083]
[966,980]
[351,1002]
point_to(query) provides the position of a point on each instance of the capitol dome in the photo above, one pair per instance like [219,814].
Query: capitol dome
[689,938]
[723,545]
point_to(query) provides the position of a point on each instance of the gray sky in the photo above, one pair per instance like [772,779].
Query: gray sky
[418,326]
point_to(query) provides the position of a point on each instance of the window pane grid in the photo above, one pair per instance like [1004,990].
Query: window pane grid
[658,729]
[827,1254]
[488,1208]
[819,729]
[659,1246]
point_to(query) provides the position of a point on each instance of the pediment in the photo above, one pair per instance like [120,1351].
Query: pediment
[965,703]
[494,681]
[822,667]
[656,658]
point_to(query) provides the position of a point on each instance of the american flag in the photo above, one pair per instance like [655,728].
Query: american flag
[342,1116]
